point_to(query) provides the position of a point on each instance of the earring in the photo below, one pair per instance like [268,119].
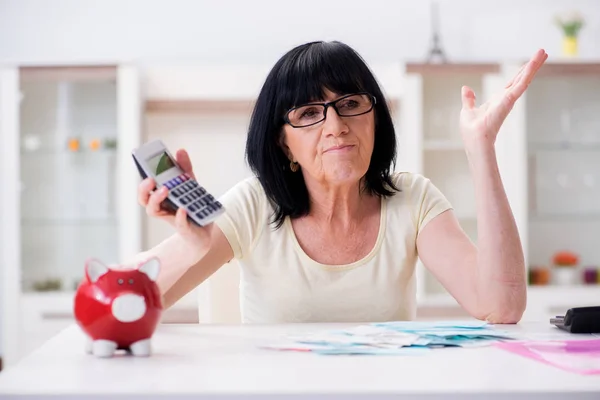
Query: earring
[293,166]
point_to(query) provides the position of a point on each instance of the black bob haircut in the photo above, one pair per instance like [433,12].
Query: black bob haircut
[300,76]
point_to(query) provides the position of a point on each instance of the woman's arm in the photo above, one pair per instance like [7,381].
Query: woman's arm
[487,280]
[183,265]
[182,281]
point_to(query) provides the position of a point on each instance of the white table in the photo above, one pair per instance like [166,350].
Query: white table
[209,361]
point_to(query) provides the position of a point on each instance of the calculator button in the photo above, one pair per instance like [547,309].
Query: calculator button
[192,208]
[184,177]
[183,200]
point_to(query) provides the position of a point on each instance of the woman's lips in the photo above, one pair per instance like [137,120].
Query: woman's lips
[339,149]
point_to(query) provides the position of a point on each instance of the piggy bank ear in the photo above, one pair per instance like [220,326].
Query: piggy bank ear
[151,268]
[95,269]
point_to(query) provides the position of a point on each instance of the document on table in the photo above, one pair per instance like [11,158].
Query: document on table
[407,338]
[579,356]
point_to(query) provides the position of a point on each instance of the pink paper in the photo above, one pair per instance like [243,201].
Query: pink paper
[579,356]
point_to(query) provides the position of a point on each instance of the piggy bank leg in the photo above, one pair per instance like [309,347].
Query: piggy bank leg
[89,345]
[104,348]
[141,348]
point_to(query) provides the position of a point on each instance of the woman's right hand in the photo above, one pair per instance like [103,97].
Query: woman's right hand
[151,200]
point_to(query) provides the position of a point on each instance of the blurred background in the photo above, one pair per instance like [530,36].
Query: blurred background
[84,82]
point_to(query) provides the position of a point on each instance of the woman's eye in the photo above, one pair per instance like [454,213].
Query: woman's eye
[310,113]
[349,104]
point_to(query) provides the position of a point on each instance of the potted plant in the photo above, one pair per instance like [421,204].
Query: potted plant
[570,23]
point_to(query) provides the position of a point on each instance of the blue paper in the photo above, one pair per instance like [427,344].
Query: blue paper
[401,337]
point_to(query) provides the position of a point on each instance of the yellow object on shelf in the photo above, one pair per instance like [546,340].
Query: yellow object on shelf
[73,144]
[569,46]
[95,144]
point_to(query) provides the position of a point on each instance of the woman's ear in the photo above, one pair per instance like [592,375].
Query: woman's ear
[283,145]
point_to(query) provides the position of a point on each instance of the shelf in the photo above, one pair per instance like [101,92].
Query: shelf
[199,106]
[569,68]
[566,217]
[551,295]
[443,145]
[564,296]
[61,301]
[70,73]
[37,222]
[564,146]
[452,68]
[57,152]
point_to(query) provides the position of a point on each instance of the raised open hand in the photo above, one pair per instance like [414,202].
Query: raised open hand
[480,125]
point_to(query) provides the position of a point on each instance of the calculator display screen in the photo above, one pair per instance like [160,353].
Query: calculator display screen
[161,163]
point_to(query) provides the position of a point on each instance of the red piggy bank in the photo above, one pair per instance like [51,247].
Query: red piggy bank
[119,309]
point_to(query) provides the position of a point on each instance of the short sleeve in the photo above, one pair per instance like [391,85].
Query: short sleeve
[244,215]
[428,201]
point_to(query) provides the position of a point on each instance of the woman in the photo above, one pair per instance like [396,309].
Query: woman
[325,231]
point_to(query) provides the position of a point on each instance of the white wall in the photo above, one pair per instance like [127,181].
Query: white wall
[260,31]
[59,31]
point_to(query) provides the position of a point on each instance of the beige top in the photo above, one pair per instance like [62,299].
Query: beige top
[280,283]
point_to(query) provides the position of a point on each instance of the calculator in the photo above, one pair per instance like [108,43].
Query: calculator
[154,160]
[579,320]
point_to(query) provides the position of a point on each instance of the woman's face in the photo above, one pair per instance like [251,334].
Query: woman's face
[335,151]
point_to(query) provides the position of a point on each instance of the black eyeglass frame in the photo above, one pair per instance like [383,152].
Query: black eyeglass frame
[333,105]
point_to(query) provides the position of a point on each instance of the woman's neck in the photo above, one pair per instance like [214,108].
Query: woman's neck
[338,204]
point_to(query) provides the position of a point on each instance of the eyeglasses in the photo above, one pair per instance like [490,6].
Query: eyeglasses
[348,106]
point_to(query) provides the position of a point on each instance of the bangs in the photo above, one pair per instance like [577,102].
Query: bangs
[315,67]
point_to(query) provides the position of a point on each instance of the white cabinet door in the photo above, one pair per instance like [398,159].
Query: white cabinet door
[10,274]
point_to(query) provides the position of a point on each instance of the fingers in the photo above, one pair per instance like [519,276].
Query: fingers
[144,189]
[468,97]
[153,207]
[525,78]
[537,60]
[516,77]
[183,159]
[182,224]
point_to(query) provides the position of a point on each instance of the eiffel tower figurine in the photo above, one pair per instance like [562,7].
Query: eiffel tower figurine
[436,54]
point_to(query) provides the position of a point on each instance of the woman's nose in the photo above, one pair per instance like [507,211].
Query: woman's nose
[334,124]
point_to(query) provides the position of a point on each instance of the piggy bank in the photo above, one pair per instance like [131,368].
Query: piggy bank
[118,309]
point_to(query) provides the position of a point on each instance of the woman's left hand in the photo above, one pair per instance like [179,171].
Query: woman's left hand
[480,125]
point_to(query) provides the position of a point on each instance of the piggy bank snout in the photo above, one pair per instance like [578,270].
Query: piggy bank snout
[128,307]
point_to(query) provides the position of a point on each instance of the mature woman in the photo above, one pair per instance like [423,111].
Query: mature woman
[326,231]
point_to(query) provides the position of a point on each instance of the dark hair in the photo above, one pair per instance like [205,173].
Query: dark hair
[300,76]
